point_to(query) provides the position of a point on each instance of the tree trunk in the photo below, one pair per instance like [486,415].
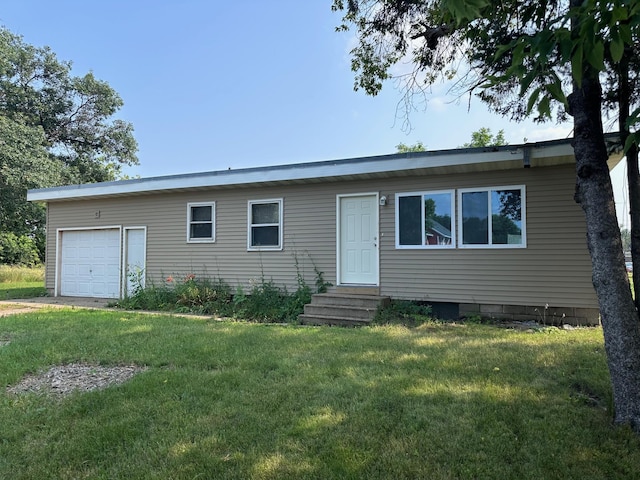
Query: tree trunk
[594,192]
[633,175]
[633,180]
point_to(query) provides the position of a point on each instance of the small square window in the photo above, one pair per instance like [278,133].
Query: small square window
[201,222]
[265,225]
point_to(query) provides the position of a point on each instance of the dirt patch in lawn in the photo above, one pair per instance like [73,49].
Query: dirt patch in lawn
[14,308]
[62,380]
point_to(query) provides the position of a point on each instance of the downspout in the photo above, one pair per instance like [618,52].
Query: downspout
[526,156]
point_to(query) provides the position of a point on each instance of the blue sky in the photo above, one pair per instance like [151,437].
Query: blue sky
[211,85]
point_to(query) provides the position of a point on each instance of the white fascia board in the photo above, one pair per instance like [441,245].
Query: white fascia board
[301,172]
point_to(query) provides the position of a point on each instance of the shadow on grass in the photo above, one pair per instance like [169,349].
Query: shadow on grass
[10,291]
[236,400]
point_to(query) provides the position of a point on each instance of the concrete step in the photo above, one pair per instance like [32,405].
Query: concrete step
[367,301]
[337,321]
[355,290]
[342,311]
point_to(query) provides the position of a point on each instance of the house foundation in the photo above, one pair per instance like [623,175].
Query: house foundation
[544,314]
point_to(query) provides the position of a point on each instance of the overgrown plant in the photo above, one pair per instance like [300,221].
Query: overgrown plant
[266,301]
[404,312]
[16,274]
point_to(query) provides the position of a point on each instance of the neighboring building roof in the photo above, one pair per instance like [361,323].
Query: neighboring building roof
[554,152]
[440,229]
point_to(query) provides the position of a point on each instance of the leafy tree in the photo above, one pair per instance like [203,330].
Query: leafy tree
[501,227]
[24,164]
[55,129]
[484,138]
[479,138]
[429,213]
[18,250]
[416,147]
[542,58]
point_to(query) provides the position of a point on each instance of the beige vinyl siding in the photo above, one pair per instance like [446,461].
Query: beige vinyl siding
[554,268]
[169,253]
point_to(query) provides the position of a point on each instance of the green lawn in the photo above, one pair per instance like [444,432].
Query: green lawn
[13,290]
[21,282]
[225,400]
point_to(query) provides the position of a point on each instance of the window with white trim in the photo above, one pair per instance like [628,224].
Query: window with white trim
[425,219]
[492,217]
[201,223]
[265,225]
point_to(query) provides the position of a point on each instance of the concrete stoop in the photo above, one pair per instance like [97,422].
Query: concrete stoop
[342,308]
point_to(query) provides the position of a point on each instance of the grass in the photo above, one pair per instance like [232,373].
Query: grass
[231,400]
[9,273]
[21,282]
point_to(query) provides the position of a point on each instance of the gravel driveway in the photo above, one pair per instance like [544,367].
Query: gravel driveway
[10,307]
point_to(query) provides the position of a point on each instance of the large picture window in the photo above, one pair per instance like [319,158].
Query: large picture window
[425,220]
[492,217]
[265,225]
[201,222]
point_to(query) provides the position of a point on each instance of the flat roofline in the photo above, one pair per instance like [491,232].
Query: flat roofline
[478,158]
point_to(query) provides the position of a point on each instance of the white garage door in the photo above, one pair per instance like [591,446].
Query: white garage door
[90,263]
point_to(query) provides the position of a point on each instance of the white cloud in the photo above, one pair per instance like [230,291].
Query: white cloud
[541,133]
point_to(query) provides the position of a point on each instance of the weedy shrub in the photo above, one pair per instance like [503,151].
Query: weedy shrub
[203,295]
[404,312]
[151,297]
[266,302]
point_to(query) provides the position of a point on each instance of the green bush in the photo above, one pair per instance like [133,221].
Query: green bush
[204,296]
[266,302]
[18,250]
[404,312]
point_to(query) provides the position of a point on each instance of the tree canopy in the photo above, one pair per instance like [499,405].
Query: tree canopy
[519,56]
[55,129]
[416,147]
[480,138]
[547,59]
[484,138]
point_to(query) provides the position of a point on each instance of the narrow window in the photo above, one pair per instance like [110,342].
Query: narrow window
[265,225]
[201,222]
[425,220]
[492,217]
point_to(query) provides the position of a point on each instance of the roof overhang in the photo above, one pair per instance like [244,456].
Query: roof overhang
[557,152]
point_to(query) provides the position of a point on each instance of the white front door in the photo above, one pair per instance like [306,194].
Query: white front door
[90,263]
[358,239]
[135,248]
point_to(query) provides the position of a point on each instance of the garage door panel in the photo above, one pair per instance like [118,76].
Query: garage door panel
[69,269]
[98,270]
[99,289]
[70,252]
[84,290]
[90,263]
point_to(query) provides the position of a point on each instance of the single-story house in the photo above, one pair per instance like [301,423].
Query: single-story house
[511,241]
